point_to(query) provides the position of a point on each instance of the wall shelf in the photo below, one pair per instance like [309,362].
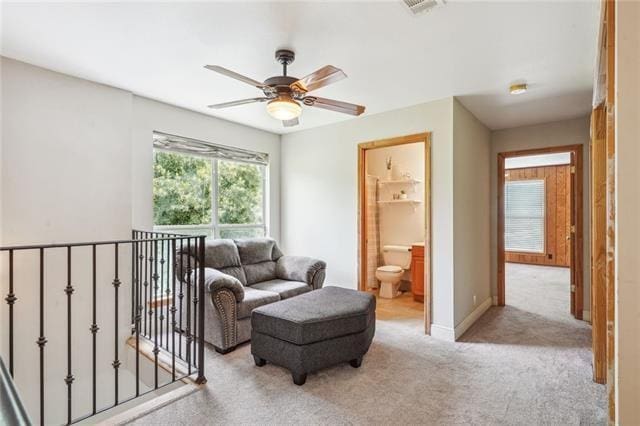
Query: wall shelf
[400,181]
[400,202]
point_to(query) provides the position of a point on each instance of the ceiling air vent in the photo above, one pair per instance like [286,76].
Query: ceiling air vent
[421,6]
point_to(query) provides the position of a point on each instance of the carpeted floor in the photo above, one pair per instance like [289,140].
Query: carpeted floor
[527,363]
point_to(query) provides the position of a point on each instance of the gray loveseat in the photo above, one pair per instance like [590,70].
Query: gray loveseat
[241,275]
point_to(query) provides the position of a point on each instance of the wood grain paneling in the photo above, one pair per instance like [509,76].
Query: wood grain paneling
[557,215]
[417,273]
[598,242]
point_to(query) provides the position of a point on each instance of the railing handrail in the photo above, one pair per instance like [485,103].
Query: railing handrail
[100,243]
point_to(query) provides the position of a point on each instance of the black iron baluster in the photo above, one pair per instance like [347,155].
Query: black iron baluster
[154,311]
[159,300]
[133,278]
[69,291]
[116,361]
[167,292]
[201,378]
[189,338]
[181,296]
[138,316]
[152,284]
[42,341]
[94,329]
[173,311]
[11,299]
[196,275]
[146,281]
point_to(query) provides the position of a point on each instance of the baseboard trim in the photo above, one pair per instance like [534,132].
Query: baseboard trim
[443,333]
[494,300]
[472,317]
[586,316]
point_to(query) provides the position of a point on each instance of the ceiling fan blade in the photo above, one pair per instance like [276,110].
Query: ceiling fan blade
[234,75]
[235,103]
[291,123]
[330,104]
[320,78]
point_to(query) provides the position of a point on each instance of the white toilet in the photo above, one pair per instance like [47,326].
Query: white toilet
[396,260]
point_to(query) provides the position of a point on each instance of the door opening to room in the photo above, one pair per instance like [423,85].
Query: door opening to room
[540,230]
[394,226]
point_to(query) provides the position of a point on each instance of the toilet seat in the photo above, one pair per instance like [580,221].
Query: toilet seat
[390,268]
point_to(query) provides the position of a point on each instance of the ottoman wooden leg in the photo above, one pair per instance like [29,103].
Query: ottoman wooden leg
[356,363]
[299,378]
[259,361]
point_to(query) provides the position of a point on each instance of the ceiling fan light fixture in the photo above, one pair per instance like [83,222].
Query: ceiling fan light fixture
[283,108]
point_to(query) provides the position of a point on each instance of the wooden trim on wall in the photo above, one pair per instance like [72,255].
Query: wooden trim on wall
[610,18]
[598,179]
[577,242]
[362,247]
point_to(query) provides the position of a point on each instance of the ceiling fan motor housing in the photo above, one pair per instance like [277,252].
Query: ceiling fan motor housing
[285,56]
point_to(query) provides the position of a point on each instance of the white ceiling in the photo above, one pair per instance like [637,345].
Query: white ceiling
[469,49]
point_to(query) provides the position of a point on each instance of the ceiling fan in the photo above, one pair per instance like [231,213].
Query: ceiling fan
[284,94]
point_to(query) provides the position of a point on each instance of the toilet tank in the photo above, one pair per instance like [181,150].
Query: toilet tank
[397,255]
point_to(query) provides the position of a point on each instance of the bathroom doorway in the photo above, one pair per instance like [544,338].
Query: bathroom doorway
[394,226]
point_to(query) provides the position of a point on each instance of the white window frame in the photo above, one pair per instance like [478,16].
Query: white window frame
[214,226]
[544,217]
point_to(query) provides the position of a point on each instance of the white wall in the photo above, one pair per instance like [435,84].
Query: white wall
[149,115]
[66,173]
[76,165]
[568,132]
[319,193]
[627,127]
[471,239]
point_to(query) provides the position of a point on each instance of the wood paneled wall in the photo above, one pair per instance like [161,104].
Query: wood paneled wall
[557,215]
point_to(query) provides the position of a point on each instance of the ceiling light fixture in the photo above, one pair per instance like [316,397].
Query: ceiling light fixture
[518,89]
[284,108]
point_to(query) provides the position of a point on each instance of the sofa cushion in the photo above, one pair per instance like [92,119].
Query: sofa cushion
[254,298]
[262,271]
[221,253]
[236,272]
[284,288]
[316,316]
[257,250]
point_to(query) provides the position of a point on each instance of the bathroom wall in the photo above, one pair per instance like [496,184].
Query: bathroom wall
[400,224]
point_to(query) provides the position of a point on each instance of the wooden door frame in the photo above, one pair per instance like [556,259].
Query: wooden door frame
[362,252]
[577,243]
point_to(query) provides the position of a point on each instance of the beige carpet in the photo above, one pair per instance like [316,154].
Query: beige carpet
[528,363]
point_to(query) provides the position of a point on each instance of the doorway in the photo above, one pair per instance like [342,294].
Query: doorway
[395,194]
[540,223]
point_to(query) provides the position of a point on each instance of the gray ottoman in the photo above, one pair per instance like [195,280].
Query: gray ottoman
[314,330]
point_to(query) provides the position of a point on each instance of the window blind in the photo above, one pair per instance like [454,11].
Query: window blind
[524,216]
[207,149]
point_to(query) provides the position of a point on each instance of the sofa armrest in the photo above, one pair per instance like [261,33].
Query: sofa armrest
[215,280]
[299,268]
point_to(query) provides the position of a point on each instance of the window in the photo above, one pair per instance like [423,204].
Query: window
[524,216]
[220,198]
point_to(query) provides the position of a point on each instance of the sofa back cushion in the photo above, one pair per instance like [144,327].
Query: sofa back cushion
[223,255]
[258,257]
